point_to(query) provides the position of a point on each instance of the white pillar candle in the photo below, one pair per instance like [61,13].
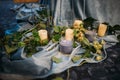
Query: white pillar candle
[102,30]
[43,34]
[77,23]
[69,34]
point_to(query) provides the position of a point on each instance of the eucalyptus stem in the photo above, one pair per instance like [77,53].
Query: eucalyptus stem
[82,63]
[29,30]
[68,70]
[68,74]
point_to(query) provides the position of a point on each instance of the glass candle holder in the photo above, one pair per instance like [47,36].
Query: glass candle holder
[90,35]
[66,46]
[102,30]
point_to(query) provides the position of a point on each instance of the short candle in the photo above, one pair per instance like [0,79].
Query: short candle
[102,30]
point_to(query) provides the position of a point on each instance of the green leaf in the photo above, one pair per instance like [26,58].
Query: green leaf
[58,78]
[76,58]
[86,41]
[29,55]
[37,39]
[21,44]
[57,29]
[42,25]
[88,22]
[75,32]
[45,42]
[35,35]
[56,60]
[87,54]
[116,27]
[10,49]
[75,44]
[118,37]
[56,37]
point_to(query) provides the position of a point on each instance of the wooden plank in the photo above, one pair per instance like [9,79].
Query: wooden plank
[25,1]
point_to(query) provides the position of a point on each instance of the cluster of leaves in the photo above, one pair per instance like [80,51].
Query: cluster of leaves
[89,22]
[59,31]
[118,38]
[113,30]
[43,13]
[93,24]
[45,17]
[79,36]
[31,43]
[11,42]
[93,46]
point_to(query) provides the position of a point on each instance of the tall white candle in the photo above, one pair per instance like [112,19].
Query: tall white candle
[77,23]
[43,34]
[69,34]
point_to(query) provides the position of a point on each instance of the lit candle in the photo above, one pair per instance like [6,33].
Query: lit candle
[77,23]
[66,46]
[102,30]
[43,35]
[69,34]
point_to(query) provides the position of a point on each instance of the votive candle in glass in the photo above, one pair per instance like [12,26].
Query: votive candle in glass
[90,35]
[66,46]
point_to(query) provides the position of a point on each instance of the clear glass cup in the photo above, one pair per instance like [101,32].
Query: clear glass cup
[66,46]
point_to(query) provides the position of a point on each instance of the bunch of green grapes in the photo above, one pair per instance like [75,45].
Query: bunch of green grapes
[79,32]
[98,47]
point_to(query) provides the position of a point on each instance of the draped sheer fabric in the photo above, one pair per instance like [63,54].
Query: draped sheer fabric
[102,10]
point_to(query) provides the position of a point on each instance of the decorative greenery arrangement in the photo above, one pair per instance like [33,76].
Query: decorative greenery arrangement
[12,42]
[59,31]
[79,36]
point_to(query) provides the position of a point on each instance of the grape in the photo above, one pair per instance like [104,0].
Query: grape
[99,58]
[99,51]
